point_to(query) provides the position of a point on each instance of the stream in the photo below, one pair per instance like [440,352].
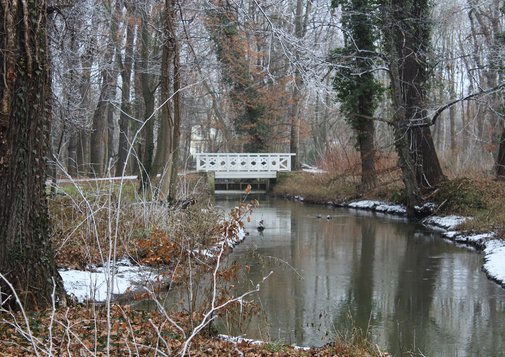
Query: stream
[410,290]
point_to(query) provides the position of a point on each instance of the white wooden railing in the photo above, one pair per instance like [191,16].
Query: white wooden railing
[233,165]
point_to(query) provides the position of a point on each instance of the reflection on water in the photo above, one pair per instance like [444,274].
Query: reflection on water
[405,285]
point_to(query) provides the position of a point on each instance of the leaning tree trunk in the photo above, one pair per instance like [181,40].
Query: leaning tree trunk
[26,257]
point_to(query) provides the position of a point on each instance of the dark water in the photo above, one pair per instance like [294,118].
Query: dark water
[409,289]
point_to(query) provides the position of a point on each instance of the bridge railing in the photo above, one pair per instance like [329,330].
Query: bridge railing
[251,165]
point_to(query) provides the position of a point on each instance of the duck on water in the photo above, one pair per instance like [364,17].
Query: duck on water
[261,226]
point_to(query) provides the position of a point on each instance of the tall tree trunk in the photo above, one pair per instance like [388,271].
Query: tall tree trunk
[170,113]
[110,151]
[102,115]
[83,139]
[126,72]
[356,85]
[73,140]
[250,104]
[26,257]
[500,160]
[394,35]
[294,137]
[98,142]
[407,30]
[148,97]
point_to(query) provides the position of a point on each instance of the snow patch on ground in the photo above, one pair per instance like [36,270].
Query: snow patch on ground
[378,206]
[91,284]
[494,259]
[446,223]
[238,339]
[312,169]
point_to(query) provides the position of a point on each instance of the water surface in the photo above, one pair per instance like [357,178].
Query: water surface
[410,289]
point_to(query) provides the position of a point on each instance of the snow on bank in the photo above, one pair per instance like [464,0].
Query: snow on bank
[238,339]
[91,284]
[446,223]
[312,169]
[494,260]
[378,206]
[489,243]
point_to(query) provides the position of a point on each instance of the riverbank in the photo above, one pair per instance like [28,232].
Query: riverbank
[465,211]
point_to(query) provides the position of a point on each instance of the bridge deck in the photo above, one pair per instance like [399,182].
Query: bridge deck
[233,165]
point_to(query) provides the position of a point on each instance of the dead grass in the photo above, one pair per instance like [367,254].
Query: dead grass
[317,187]
[341,180]
[481,198]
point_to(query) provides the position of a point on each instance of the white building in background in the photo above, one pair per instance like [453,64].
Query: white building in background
[204,139]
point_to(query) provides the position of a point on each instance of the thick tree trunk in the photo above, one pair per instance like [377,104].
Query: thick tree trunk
[394,37]
[26,257]
[428,169]
[407,30]
[356,85]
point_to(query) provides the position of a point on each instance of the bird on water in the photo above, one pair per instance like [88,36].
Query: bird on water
[261,226]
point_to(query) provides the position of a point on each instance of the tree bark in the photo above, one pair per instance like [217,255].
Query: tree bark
[171,109]
[26,257]
[98,136]
[83,140]
[355,82]
[126,72]
[500,160]
[294,137]
[407,29]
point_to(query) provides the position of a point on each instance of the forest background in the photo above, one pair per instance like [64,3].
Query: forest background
[164,80]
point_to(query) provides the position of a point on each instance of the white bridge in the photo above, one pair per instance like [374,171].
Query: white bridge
[231,165]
